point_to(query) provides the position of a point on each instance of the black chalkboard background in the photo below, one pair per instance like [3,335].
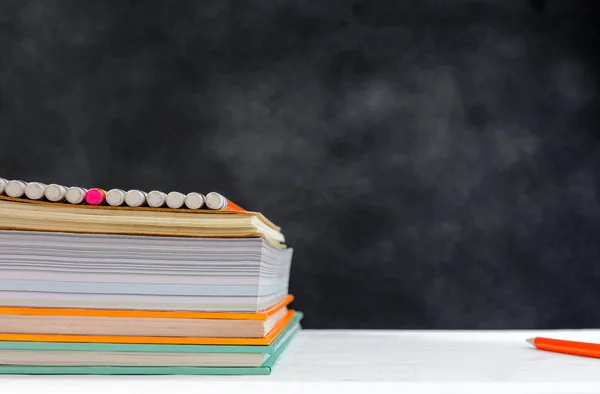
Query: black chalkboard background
[435,164]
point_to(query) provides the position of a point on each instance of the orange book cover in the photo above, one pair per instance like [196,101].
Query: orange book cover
[262,315]
[151,340]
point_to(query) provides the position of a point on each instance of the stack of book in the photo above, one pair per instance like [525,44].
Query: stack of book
[92,287]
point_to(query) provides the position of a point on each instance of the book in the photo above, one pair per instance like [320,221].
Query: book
[107,271]
[141,323]
[266,340]
[36,215]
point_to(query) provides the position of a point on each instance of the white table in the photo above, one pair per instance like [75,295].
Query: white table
[373,362]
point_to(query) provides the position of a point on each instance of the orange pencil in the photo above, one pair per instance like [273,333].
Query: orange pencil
[583,349]
[217,202]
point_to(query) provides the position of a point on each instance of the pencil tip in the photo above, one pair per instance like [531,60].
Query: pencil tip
[531,341]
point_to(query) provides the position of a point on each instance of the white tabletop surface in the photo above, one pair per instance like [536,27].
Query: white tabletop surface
[377,361]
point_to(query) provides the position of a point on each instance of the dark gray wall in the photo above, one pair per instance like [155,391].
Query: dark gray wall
[433,163]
